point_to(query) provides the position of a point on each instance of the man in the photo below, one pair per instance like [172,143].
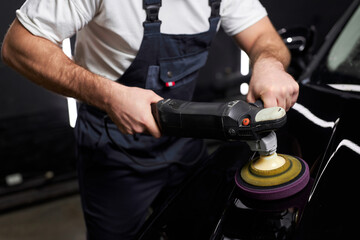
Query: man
[129,54]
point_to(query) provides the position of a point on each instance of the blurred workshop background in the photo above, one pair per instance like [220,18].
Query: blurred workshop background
[38,186]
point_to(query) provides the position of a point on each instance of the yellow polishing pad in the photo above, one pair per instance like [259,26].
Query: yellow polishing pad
[260,171]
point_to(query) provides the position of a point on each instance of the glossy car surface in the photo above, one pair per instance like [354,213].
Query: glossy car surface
[322,128]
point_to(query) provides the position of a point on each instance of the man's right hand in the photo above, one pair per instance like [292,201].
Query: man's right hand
[45,64]
[130,109]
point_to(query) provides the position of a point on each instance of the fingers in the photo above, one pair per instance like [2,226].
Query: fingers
[274,99]
[131,111]
[152,126]
[270,101]
[145,122]
[284,98]
[155,98]
[250,97]
[281,91]
[291,95]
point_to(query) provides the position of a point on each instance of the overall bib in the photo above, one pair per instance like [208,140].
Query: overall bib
[118,182]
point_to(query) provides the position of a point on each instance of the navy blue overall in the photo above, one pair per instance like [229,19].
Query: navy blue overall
[118,182]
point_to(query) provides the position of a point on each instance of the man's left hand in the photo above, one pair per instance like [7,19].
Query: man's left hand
[272,84]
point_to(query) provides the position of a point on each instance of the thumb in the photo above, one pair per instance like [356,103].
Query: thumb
[250,97]
[155,98]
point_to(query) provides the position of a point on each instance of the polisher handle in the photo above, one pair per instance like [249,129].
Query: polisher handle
[235,120]
[190,119]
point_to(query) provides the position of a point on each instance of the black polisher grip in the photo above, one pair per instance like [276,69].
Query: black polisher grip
[212,120]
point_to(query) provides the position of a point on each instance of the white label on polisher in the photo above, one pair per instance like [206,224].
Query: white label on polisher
[268,114]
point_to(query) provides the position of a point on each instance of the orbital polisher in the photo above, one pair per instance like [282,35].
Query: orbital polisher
[269,176]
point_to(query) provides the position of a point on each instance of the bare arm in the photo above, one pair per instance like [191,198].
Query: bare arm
[44,63]
[269,59]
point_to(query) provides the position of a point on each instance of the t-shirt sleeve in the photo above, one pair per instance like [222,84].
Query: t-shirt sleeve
[237,15]
[56,20]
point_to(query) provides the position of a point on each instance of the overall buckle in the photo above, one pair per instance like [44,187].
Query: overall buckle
[152,12]
[215,7]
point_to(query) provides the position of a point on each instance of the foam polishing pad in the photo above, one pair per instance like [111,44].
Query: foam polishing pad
[278,177]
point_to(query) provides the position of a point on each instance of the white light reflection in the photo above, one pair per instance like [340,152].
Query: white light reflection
[66,47]
[309,115]
[344,143]
[244,88]
[72,108]
[346,87]
[244,63]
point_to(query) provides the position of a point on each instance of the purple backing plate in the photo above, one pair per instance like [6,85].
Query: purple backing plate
[275,192]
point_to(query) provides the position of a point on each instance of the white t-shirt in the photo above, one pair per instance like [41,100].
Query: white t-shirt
[109,32]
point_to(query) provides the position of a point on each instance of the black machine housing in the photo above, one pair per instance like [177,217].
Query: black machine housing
[213,120]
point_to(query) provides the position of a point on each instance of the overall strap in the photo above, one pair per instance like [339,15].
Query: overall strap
[215,8]
[152,22]
[152,7]
[215,14]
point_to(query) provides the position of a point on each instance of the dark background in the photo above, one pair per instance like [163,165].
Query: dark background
[36,141]
[35,136]
[18,96]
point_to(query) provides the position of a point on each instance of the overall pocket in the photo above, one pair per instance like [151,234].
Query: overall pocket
[175,72]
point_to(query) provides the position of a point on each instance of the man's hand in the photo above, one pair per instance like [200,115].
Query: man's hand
[269,59]
[44,63]
[130,109]
[271,83]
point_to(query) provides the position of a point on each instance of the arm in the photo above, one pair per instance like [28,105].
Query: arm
[269,59]
[44,63]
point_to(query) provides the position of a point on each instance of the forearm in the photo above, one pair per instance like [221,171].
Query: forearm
[269,47]
[269,60]
[44,63]
[262,42]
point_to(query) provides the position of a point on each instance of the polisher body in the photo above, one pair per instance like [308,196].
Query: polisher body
[238,121]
